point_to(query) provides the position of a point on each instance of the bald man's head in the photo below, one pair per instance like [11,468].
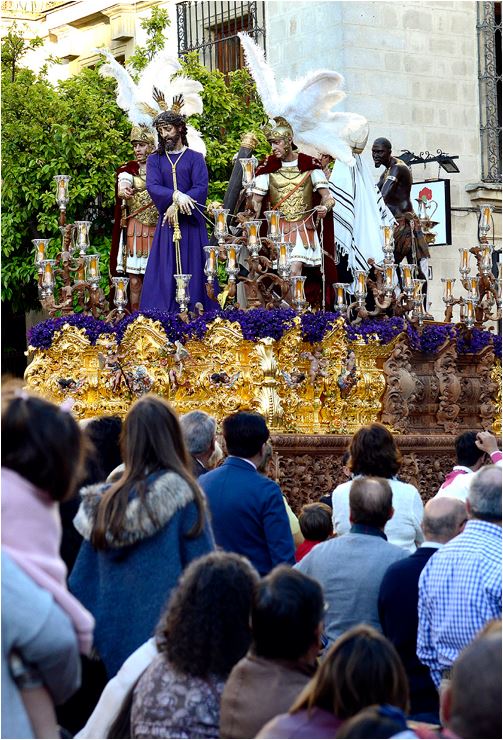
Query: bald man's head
[443,518]
[484,499]
[370,501]
[472,704]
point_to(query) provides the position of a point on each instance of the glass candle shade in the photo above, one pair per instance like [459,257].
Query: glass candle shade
[485,218]
[47,267]
[418,289]
[298,295]
[361,284]
[464,261]
[253,236]
[340,290]
[82,235]
[182,295]
[92,262]
[473,287]
[232,260]
[469,312]
[284,259]
[486,260]
[273,224]
[40,250]
[220,215]
[210,267]
[448,286]
[120,297]
[389,278]
[408,273]
[249,165]
[62,197]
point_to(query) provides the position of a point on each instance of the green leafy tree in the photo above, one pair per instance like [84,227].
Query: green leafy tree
[155,26]
[231,108]
[76,128]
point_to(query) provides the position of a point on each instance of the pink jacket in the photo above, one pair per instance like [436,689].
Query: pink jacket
[31,535]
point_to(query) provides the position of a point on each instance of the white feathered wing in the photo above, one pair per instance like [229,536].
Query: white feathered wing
[307,104]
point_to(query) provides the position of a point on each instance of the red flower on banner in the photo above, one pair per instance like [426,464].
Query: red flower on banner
[425,195]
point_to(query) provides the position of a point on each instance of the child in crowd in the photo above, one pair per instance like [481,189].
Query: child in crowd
[315,522]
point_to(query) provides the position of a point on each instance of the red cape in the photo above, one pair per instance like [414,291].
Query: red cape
[133,168]
[313,282]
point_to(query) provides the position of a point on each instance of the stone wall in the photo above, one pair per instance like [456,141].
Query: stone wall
[411,69]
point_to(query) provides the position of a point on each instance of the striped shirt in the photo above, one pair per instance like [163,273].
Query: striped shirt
[459,592]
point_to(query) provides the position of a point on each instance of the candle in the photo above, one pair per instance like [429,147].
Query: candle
[119,295]
[387,235]
[340,295]
[180,290]
[361,282]
[93,267]
[232,258]
[282,255]
[389,276]
[252,234]
[41,251]
[464,259]
[221,223]
[469,309]
[48,274]
[248,172]
[407,276]
[474,286]
[298,289]
[448,284]
[211,258]
[274,224]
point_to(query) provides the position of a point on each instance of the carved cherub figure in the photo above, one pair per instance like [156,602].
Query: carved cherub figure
[224,379]
[318,364]
[348,376]
[294,378]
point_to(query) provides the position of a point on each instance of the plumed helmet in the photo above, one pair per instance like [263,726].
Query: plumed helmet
[278,128]
[142,133]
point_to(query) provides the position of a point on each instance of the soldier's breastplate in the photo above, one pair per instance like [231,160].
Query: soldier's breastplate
[281,183]
[150,215]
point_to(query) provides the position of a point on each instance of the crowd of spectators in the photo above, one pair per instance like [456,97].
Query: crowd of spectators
[155,585]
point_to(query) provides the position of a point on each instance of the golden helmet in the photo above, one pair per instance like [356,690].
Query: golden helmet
[278,128]
[142,133]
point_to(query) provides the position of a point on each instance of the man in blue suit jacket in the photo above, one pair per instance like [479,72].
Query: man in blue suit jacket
[443,519]
[248,514]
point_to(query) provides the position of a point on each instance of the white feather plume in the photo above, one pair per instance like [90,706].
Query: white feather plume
[307,104]
[161,74]
[261,73]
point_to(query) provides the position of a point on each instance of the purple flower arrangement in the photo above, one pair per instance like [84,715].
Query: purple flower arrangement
[258,323]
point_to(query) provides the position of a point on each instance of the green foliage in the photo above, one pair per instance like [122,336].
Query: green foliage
[231,109]
[75,129]
[14,47]
[155,26]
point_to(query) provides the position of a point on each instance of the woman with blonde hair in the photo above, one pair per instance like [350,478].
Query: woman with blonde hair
[140,532]
[361,668]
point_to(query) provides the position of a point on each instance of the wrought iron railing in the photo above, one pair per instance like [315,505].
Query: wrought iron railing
[489,54]
[211,29]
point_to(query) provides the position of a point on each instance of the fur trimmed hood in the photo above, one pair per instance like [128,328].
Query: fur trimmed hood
[165,495]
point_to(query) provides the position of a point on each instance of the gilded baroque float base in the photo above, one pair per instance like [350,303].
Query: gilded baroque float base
[333,387]
[313,396]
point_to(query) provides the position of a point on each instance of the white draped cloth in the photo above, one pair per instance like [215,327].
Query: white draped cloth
[359,213]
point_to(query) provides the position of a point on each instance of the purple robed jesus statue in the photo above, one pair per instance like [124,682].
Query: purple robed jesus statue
[159,288]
